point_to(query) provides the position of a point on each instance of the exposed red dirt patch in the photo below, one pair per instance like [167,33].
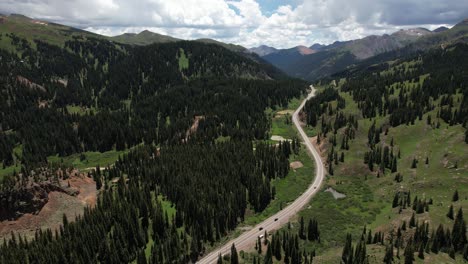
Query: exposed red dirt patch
[296,165]
[30,84]
[320,147]
[51,214]
[194,127]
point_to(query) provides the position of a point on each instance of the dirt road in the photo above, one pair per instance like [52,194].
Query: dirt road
[247,239]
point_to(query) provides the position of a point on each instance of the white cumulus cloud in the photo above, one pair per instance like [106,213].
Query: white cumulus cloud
[243,21]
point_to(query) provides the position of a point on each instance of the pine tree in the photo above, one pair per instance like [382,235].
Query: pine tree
[310,230]
[421,251]
[455,196]
[220,259]
[395,200]
[268,256]
[369,237]
[360,255]
[277,249]
[347,249]
[450,212]
[394,165]
[412,222]
[259,245]
[414,163]
[313,233]
[234,256]
[465,253]
[141,258]
[388,259]
[451,252]
[459,239]
[409,255]
[302,228]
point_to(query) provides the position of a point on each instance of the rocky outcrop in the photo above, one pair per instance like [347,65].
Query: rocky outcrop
[29,199]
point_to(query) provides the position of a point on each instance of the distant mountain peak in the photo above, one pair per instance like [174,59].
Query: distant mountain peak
[419,31]
[464,22]
[304,50]
[263,50]
[316,46]
[440,29]
[147,32]
[145,37]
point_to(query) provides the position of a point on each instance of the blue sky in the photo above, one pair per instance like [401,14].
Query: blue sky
[249,23]
[268,7]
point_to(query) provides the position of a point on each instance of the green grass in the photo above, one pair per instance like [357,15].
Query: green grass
[183,60]
[76,109]
[9,170]
[222,139]
[92,159]
[167,206]
[282,126]
[29,29]
[368,198]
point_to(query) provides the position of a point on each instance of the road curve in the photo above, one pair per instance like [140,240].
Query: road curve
[248,238]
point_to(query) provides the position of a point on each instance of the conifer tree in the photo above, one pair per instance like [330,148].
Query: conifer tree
[396,199]
[459,239]
[394,165]
[302,228]
[141,258]
[388,259]
[234,256]
[421,251]
[455,196]
[465,253]
[268,256]
[259,245]
[347,249]
[412,222]
[450,212]
[409,255]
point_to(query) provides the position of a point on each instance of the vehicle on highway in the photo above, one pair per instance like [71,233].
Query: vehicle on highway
[261,228]
[276,219]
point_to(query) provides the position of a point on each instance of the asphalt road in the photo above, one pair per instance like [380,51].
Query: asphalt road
[247,240]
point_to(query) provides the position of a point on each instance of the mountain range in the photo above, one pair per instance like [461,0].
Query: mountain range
[309,63]
[162,148]
[323,60]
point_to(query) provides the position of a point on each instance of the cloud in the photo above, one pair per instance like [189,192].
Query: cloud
[302,22]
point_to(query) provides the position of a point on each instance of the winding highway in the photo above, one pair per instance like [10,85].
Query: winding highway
[247,239]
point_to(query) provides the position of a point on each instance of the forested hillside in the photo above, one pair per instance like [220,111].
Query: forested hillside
[395,140]
[346,55]
[186,114]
